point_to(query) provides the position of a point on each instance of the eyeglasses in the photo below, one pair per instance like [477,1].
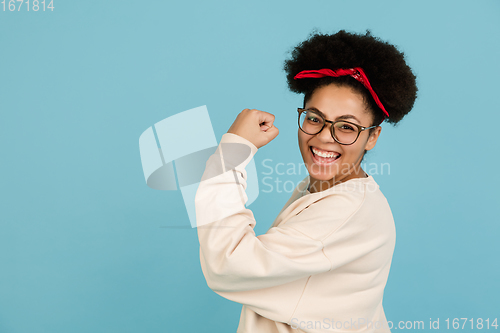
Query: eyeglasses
[344,132]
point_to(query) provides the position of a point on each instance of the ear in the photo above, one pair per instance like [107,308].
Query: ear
[372,140]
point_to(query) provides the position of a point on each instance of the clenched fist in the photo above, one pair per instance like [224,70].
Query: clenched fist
[256,126]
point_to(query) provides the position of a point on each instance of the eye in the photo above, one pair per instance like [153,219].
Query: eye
[313,118]
[346,127]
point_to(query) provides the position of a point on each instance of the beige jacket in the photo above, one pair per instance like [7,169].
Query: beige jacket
[321,267]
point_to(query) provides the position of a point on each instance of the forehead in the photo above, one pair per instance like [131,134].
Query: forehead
[336,101]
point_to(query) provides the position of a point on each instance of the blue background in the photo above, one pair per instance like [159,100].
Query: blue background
[86,246]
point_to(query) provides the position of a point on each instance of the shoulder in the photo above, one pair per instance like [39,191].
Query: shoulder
[332,209]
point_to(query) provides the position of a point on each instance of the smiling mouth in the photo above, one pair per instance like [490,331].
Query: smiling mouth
[323,160]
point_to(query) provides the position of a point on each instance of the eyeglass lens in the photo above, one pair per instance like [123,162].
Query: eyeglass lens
[312,123]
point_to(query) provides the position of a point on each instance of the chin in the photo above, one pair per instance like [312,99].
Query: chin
[320,172]
[321,176]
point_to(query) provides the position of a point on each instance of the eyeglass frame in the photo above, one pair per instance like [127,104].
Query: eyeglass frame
[360,128]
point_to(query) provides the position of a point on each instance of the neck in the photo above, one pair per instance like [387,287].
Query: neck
[317,185]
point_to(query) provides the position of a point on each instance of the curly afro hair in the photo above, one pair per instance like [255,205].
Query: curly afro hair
[390,77]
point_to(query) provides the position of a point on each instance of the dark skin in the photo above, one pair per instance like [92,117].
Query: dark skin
[335,101]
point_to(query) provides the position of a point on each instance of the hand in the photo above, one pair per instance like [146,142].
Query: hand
[255,126]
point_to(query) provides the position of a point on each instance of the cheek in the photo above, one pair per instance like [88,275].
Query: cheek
[301,148]
[302,142]
[300,139]
[353,150]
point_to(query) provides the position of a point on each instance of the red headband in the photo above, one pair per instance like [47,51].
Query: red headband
[356,72]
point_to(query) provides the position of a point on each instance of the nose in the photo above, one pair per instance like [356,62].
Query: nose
[326,134]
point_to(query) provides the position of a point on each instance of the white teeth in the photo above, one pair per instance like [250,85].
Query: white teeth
[319,153]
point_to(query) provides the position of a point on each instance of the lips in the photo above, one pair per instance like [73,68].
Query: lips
[325,150]
[324,160]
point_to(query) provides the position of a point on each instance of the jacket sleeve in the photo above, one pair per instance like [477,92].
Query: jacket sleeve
[233,258]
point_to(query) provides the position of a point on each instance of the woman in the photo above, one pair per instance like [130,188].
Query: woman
[324,263]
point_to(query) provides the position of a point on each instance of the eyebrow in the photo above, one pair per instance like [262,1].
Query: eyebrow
[344,116]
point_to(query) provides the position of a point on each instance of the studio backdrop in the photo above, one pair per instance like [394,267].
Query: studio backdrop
[96,192]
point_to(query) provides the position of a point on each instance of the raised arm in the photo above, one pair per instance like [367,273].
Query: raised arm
[268,272]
